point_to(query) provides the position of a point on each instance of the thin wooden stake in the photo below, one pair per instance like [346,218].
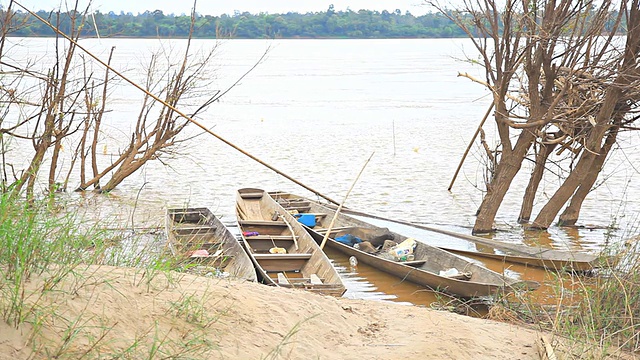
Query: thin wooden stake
[473,139]
[185,116]
[335,216]
[394,137]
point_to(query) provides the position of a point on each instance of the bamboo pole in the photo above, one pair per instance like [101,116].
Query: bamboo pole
[473,139]
[182,114]
[335,216]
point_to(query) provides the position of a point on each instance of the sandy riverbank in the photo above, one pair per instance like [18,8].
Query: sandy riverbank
[120,311]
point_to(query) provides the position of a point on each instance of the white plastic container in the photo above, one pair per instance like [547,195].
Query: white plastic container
[402,250]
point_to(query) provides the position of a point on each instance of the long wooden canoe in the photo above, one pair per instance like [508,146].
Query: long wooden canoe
[430,266]
[197,237]
[282,251]
[538,256]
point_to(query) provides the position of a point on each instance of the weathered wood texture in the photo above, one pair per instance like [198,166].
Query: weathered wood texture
[265,227]
[192,229]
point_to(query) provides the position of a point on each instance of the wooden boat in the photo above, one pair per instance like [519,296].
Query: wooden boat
[550,259]
[430,266]
[197,237]
[283,253]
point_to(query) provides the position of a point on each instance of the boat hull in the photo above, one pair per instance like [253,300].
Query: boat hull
[197,230]
[550,259]
[424,270]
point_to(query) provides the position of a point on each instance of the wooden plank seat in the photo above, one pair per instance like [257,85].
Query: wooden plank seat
[269,237]
[300,209]
[188,217]
[194,229]
[278,193]
[262,222]
[282,262]
[263,247]
[333,230]
[295,280]
[186,211]
[186,214]
[282,256]
[190,244]
[285,280]
[211,260]
[305,202]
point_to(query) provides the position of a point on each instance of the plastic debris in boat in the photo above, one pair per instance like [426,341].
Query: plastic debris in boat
[353,261]
[200,253]
[277,250]
[306,219]
[402,250]
[348,239]
[455,274]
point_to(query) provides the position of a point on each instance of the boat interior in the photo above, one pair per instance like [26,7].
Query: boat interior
[276,246]
[193,232]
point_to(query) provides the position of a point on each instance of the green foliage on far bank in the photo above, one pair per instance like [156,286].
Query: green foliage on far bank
[329,24]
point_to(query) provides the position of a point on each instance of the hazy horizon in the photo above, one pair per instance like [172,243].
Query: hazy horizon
[416,7]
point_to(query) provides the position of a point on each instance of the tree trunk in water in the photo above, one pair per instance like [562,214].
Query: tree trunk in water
[82,149]
[98,121]
[534,182]
[562,195]
[129,166]
[506,171]
[593,146]
[615,106]
[570,215]
[29,176]
[54,165]
[121,174]
[507,167]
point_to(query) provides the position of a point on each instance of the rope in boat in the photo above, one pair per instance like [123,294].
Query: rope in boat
[293,234]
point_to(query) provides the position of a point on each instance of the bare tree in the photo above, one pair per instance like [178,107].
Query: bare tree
[51,123]
[72,105]
[560,79]
[155,135]
[612,109]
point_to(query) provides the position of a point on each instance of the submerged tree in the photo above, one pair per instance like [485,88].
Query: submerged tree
[67,102]
[564,84]
[157,126]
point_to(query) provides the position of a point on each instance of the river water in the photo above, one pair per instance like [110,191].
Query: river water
[316,110]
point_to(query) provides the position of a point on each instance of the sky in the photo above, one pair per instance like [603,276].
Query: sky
[218,7]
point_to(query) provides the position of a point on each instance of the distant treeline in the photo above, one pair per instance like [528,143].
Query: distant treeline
[328,24]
